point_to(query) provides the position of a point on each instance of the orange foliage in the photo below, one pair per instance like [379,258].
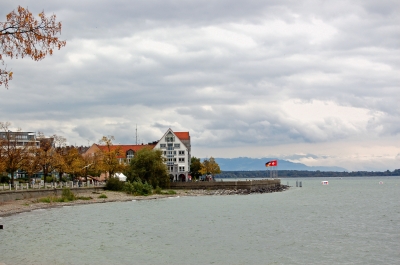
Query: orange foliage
[22,35]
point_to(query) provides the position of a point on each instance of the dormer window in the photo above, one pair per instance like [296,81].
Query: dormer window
[169,137]
[130,154]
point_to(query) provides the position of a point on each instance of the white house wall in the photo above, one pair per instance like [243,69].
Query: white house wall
[174,156]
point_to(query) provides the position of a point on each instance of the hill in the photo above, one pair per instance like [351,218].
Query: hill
[246,164]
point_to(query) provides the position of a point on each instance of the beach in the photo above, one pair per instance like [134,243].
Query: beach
[26,205]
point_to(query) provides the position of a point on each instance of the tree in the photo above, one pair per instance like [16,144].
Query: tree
[60,148]
[210,166]
[148,166]
[110,162]
[24,36]
[74,162]
[46,156]
[195,166]
[30,165]
[12,154]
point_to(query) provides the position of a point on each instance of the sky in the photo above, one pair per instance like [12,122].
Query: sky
[314,82]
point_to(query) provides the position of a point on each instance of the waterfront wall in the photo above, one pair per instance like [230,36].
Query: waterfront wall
[13,195]
[227,185]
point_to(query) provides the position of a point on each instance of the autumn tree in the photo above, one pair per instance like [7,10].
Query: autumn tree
[46,156]
[110,162]
[59,143]
[210,167]
[13,155]
[93,164]
[31,165]
[21,35]
[74,162]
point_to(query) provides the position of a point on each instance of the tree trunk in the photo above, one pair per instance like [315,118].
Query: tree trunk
[12,177]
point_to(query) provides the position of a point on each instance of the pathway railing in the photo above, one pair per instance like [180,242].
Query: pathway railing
[55,185]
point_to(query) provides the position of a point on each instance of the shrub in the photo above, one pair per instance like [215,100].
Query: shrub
[114,184]
[103,196]
[67,195]
[138,188]
[158,190]
[4,179]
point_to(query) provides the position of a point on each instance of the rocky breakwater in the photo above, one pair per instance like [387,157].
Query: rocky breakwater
[271,189]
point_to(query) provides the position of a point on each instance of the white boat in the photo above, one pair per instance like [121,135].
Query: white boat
[324,182]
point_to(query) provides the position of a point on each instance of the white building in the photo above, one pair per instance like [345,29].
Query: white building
[177,151]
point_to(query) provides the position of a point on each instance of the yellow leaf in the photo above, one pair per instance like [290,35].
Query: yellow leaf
[10,74]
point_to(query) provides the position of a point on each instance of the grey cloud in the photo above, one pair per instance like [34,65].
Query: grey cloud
[84,132]
[165,63]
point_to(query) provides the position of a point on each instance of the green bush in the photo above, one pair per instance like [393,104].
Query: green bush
[49,179]
[4,179]
[103,196]
[138,188]
[158,190]
[114,184]
[67,195]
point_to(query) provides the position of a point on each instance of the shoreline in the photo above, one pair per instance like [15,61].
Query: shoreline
[27,205]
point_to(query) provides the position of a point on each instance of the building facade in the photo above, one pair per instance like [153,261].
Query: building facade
[177,152]
[19,139]
[175,147]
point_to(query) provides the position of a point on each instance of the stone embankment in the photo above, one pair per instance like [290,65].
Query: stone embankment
[236,191]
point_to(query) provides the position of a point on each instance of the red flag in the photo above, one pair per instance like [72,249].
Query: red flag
[273,163]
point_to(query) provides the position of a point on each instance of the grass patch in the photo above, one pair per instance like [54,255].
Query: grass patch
[84,198]
[168,192]
[66,196]
[45,200]
[103,196]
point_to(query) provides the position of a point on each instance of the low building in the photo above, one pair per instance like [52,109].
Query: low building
[19,139]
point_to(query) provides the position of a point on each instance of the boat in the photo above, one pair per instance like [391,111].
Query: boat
[324,182]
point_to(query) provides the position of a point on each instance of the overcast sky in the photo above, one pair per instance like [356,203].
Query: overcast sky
[316,82]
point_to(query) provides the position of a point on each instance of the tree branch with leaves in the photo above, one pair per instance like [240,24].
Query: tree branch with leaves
[24,36]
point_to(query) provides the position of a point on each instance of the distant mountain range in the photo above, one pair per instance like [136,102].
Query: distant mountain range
[246,164]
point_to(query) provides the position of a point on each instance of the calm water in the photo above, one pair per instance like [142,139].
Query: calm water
[350,221]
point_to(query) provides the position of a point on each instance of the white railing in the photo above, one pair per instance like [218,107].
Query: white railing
[59,185]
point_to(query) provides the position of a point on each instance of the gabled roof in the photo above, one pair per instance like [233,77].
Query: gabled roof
[182,135]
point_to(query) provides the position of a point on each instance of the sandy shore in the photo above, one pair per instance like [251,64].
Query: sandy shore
[20,206]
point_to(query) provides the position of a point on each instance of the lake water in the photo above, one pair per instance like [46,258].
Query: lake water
[349,221]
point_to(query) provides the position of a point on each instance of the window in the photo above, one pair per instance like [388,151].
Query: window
[130,154]
[163,145]
[169,137]
[165,152]
[181,159]
[177,145]
[182,152]
[181,169]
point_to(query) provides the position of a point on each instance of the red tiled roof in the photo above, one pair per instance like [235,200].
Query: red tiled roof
[183,135]
[124,148]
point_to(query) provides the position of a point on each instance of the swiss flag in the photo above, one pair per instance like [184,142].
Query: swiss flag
[273,163]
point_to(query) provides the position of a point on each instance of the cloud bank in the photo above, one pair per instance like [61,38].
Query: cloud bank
[256,79]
